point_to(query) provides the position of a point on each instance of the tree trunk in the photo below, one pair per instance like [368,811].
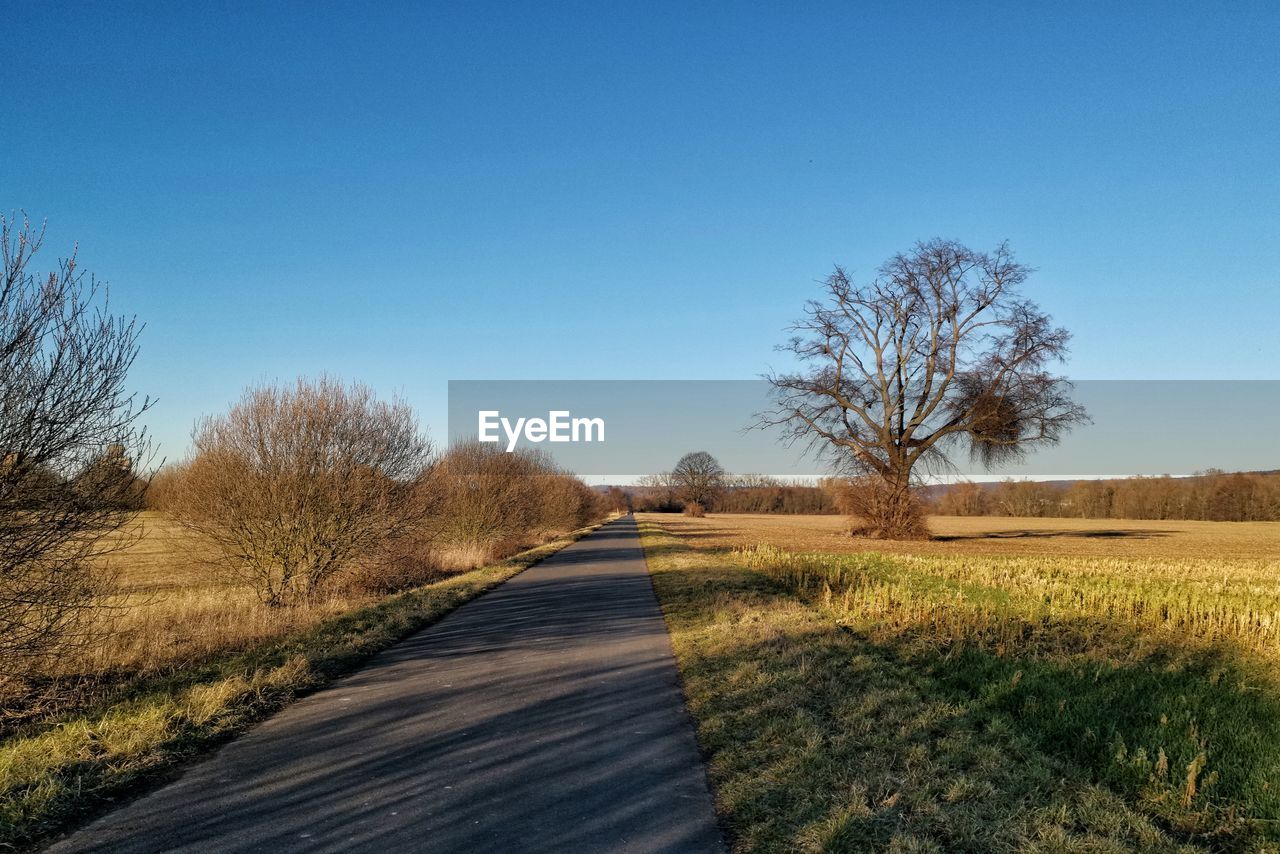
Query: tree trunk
[884,507]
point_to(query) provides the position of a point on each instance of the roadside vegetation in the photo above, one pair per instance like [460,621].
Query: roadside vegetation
[127,733]
[932,702]
[70,439]
[205,624]
[302,503]
[311,525]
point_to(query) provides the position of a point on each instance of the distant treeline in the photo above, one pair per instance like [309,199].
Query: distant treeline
[741,494]
[1213,496]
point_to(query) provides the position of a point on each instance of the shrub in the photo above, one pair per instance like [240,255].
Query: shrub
[695,510]
[162,489]
[486,503]
[877,509]
[295,485]
[404,563]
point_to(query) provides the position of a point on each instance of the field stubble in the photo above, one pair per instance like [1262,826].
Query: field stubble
[1137,661]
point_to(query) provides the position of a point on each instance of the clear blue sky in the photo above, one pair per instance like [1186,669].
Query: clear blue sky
[405,194]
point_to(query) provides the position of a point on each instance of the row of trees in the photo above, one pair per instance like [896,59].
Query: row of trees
[295,490]
[741,494]
[1214,496]
[763,494]
[299,487]
[698,481]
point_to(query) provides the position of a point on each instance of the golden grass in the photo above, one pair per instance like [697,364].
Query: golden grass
[464,556]
[1141,659]
[819,739]
[170,609]
[989,535]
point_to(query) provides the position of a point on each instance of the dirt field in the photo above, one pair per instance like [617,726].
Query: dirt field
[990,535]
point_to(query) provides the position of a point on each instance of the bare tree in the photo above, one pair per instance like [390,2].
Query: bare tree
[69,447]
[965,498]
[939,351]
[616,500]
[659,492]
[699,479]
[294,485]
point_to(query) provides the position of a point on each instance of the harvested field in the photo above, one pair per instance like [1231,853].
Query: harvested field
[1018,684]
[991,535]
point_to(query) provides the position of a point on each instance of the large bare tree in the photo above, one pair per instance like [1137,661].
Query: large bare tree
[939,352]
[70,447]
[296,484]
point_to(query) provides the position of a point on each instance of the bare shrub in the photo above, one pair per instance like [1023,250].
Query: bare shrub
[69,449]
[695,510]
[963,499]
[405,562]
[616,500]
[295,485]
[565,504]
[480,498]
[162,489]
[878,509]
[487,503]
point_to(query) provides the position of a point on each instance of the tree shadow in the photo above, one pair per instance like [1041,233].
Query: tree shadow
[1110,533]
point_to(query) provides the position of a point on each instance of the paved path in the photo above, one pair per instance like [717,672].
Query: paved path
[543,716]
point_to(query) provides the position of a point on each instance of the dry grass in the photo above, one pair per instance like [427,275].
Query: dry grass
[170,610]
[990,535]
[460,557]
[860,695]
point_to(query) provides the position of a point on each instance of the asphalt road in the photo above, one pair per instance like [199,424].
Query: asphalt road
[543,716]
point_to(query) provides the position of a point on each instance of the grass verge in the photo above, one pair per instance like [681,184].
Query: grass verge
[827,732]
[62,772]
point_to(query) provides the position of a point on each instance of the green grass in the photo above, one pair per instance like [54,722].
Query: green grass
[60,772]
[931,712]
